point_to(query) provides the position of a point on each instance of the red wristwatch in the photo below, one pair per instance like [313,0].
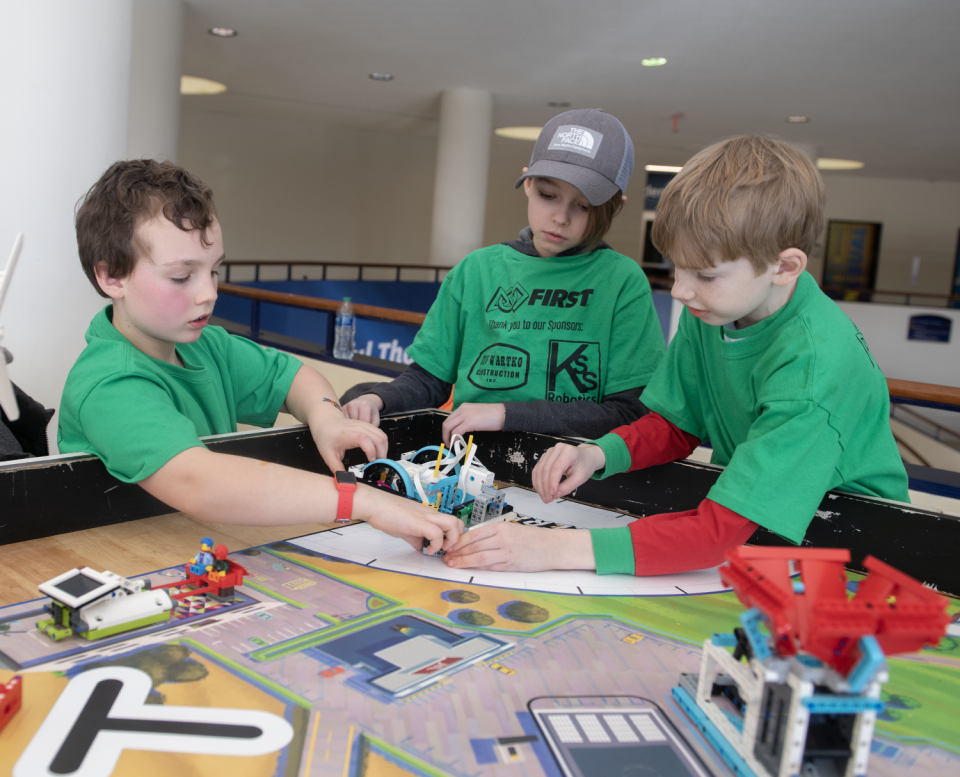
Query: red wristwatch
[346,483]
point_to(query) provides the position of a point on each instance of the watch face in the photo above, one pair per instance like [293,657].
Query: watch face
[344,478]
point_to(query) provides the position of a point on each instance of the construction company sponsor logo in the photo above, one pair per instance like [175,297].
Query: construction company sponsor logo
[500,367]
[103,712]
[507,301]
[573,371]
[580,140]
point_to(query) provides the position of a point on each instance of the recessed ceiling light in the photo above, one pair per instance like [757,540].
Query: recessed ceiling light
[662,169]
[653,62]
[194,85]
[223,32]
[518,133]
[558,104]
[838,164]
[381,76]
[797,119]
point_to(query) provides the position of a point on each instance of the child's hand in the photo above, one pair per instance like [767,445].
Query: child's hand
[407,519]
[366,408]
[511,546]
[338,435]
[577,464]
[474,417]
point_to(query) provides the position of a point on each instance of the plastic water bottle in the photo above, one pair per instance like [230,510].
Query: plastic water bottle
[344,331]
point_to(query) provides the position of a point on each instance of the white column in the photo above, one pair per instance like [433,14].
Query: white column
[460,191]
[64,88]
[155,79]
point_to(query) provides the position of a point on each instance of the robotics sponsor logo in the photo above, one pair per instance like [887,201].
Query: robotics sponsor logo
[573,371]
[500,367]
[507,301]
[560,298]
[570,137]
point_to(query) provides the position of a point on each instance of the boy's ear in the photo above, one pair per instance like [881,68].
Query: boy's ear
[112,287]
[792,262]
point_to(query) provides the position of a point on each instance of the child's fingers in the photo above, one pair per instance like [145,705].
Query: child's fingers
[368,447]
[550,469]
[436,540]
[369,413]
[484,559]
[451,425]
[332,460]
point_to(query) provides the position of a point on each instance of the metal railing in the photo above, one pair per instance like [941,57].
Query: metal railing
[438,272]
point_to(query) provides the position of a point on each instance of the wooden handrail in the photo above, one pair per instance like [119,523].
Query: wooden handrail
[924,392]
[314,303]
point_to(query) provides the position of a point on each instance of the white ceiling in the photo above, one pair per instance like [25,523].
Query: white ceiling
[878,78]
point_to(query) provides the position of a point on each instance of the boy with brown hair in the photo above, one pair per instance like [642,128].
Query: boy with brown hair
[154,377]
[554,332]
[764,366]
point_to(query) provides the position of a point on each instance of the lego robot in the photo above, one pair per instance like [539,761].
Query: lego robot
[806,699]
[452,481]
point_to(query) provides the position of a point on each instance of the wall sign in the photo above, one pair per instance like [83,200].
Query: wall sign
[934,329]
[850,263]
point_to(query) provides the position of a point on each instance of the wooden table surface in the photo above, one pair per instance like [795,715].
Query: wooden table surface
[128,549]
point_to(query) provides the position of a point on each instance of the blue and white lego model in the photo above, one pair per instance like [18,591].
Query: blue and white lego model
[452,481]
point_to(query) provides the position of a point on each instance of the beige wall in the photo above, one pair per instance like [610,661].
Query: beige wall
[292,190]
[920,218]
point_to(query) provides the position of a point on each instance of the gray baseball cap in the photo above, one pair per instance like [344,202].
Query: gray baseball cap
[586,148]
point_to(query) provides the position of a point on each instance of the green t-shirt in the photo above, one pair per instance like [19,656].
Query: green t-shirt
[794,407]
[511,327]
[136,412]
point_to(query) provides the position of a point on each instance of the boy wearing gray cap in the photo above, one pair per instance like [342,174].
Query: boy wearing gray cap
[554,332]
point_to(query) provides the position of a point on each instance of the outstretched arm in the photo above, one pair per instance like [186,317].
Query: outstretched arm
[238,490]
[656,545]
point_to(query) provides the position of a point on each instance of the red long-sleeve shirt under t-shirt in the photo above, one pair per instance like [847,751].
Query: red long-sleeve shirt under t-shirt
[677,542]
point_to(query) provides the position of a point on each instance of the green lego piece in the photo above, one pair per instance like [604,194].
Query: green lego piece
[464,512]
[52,630]
[92,634]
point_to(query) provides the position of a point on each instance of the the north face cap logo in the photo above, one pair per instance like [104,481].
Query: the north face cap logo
[580,140]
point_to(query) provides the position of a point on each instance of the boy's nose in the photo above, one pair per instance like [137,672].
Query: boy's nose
[207,292]
[680,290]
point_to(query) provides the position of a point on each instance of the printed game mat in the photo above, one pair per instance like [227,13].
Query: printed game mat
[348,653]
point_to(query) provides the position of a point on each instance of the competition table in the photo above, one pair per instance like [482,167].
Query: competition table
[302,640]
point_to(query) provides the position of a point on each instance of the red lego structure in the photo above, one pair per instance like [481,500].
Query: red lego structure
[820,618]
[11,697]
[217,583]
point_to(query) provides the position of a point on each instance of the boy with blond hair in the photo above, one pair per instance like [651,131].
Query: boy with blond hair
[763,365]
[155,376]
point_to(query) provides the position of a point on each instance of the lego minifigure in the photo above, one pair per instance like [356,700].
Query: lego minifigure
[203,562]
